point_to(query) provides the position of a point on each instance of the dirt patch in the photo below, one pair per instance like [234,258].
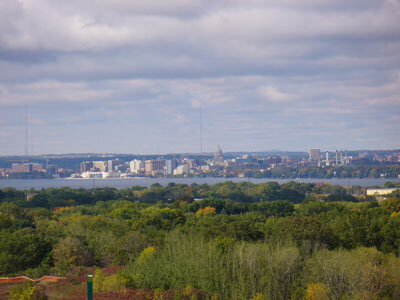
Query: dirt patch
[5,290]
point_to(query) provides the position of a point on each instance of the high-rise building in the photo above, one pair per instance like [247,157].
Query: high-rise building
[337,158]
[136,166]
[182,169]
[110,166]
[154,165]
[21,168]
[100,166]
[315,156]
[26,168]
[86,166]
[327,158]
[170,166]
[51,170]
[37,167]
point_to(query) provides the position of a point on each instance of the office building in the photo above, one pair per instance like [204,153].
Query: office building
[136,166]
[170,166]
[26,168]
[110,166]
[315,156]
[86,166]
[154,165]
[52,170]
[100,166]
[182,169]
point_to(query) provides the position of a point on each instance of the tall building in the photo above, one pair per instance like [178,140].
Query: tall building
[182,169]
[154,165]
[110,166]
[327,158]
[100,166]
[315,156]
[26,168]
[51,170]
[86,166]
[337,157]
[21,168]
[170,166]
[37,167]
[136,166]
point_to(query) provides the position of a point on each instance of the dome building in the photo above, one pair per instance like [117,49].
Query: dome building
[218,156]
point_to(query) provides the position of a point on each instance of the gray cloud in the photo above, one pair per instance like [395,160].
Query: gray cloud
[124,76]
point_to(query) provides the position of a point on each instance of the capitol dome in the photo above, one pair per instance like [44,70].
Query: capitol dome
[218,156]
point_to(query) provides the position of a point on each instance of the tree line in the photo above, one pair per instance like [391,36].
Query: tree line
[229,240]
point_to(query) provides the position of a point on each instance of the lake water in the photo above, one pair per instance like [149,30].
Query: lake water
[121,183]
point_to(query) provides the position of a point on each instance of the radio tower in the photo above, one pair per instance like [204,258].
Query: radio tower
[201,130]
[26,132]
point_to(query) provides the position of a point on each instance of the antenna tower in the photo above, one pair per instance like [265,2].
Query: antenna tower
[201,130]
[26,132]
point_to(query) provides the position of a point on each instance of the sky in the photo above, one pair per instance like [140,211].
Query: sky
[115,76]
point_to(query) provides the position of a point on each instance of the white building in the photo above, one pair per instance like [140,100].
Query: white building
[102,166]
[170,166]
[182,169]
[136,166]
[88,175]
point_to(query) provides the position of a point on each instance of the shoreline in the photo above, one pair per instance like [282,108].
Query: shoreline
[123,183]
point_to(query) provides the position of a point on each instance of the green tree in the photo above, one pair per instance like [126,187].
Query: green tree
[21,249]
[71,251]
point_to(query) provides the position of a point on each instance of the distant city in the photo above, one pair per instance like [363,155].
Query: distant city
[314,164]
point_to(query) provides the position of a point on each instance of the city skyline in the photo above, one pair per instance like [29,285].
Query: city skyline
[293,164]
[185,76]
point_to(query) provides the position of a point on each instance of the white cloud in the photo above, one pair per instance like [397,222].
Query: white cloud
[272,94]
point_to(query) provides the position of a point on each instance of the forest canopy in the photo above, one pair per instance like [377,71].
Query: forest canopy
[232,240]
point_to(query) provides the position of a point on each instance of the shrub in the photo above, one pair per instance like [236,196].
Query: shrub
[317,291]
[363,273]
[103,283]
[27,291]
[146,255]
[71,251]
[238,272]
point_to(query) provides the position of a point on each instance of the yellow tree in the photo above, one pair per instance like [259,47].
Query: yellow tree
[206,211]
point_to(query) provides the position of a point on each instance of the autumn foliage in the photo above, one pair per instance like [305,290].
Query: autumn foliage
[206,211]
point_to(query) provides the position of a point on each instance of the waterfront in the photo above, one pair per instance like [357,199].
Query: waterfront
[121,183]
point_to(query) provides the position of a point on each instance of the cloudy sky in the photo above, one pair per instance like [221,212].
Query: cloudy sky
[123,76]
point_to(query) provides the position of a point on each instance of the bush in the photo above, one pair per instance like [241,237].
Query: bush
[363,273]
[71,251]
[27,291]
[317,291]
[238,272]
[103,283]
